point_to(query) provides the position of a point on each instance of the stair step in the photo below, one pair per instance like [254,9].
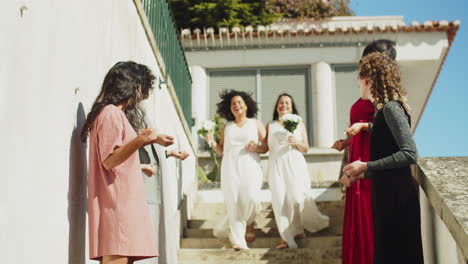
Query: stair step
[218,210]
[261,242]
[336,223]
[324,261]
[264,232]
[261,256]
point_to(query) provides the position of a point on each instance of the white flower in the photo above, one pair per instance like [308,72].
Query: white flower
[291,117]
[208,125]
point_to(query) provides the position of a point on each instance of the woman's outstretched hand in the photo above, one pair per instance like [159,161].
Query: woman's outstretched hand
[164,140]
[355,128]
[148,135]
[179,154]
[355,169]
[148,169]
[340,144]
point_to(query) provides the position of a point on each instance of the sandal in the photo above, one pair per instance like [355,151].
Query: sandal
[283,245]
[250,234]
[299,236]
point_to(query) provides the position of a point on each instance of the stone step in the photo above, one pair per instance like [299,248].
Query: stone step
[261,242]
[313,261]
[264,232]
[261,256]
[218,210]
[336,223]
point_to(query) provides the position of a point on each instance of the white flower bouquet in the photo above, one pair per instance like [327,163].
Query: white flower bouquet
[206,127]
[290,122]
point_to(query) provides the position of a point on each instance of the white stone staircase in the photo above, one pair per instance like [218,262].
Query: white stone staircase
[199,246]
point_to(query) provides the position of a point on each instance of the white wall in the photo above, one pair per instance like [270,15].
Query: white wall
[438,244]
[54,58]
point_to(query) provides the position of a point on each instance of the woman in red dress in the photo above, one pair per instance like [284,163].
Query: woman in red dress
[358,232]
[358,228]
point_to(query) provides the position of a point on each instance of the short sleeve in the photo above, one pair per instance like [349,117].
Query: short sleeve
[110,131]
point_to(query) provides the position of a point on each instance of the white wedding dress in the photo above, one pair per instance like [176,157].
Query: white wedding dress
[292,201]
[241,181]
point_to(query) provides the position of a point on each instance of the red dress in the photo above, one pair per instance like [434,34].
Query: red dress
[358,229]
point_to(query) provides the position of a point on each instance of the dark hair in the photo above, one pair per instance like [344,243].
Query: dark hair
[126,82]
[384,46]
[224,107]
[294,109]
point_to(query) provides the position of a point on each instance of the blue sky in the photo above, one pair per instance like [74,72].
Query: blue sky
[443,128]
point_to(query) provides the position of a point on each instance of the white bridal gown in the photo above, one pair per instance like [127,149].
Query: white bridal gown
[241,181]
[289,181]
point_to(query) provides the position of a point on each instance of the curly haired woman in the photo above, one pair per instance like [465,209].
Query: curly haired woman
[395,199]
[241,173]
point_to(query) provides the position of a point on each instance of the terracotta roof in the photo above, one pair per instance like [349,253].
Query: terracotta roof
[303,28]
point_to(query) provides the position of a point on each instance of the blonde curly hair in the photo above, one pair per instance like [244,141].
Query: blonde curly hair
[385,76]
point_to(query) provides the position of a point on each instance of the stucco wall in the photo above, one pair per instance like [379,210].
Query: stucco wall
[54,58]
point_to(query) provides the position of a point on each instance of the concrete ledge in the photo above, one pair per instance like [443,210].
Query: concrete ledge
[445,182]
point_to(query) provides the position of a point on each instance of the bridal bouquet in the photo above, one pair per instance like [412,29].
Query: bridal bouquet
[290,122]
[206,127]
[213,127]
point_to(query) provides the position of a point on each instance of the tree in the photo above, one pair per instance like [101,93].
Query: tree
[315,9]
[230,13]
[221,13]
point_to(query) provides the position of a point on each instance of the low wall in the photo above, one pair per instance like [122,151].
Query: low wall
[444,208]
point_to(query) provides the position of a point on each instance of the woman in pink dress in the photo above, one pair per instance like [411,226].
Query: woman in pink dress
[120,230]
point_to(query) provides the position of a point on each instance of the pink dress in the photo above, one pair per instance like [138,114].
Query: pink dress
[119,221]
[358,228]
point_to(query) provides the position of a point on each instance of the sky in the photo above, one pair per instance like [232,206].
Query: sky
[443,128]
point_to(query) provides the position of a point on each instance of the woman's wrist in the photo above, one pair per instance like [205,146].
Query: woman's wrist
[213,144]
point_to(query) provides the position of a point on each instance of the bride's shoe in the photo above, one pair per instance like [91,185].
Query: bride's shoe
[250,234]
[283,245]
[299,236]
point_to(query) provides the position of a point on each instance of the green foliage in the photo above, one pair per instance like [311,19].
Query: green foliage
[230,13]
[290,125]
[315,9]
[219,124]
[221,13]
[201,174]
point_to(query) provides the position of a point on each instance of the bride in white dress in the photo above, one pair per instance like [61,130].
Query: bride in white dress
[241,173]
[292,201]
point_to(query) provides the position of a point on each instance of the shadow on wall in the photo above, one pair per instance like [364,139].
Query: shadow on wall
[77,190]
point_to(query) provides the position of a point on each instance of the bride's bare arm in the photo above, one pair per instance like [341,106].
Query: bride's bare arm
[217,147]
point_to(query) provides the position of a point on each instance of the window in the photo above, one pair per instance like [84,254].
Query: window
[265,85]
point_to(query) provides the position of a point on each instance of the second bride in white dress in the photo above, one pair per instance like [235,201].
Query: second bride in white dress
[241,173]
[292,201]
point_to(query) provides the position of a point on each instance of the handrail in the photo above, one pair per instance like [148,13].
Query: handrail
[169,56]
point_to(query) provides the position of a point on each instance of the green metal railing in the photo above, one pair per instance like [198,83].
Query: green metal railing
[166,35]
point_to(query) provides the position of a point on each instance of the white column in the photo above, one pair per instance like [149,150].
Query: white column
[199,98]
[199,93]
[323,102]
